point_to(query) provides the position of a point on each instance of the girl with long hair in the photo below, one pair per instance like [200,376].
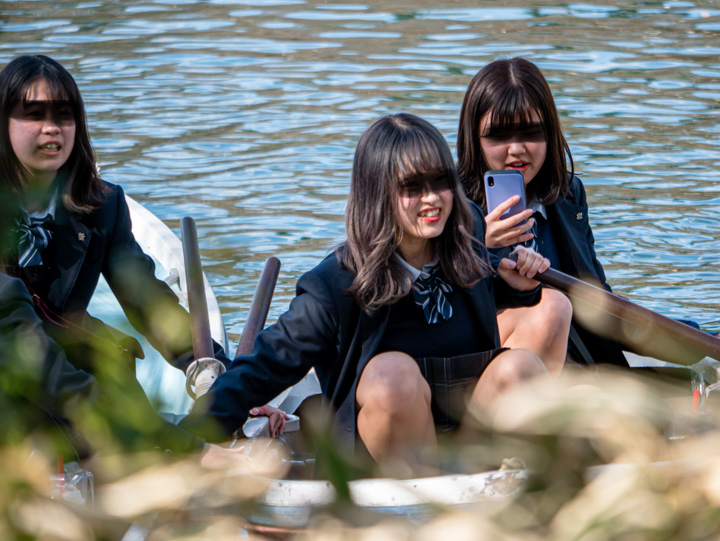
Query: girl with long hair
[70,226]
[400,321]
[509,121]
[63,226]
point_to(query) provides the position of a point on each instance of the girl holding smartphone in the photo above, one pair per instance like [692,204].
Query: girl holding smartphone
[509,121]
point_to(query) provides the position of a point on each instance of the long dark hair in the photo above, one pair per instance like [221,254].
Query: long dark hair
[394,148]
[83,190]
[512,90]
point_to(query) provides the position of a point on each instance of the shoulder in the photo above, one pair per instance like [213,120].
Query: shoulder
[328,278]
[577,190]
[114,195]
[112,201]
[575,195]
[475,209]
[111,189]
[112,213]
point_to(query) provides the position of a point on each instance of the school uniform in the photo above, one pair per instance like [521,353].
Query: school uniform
[84,246]
[566,238]
[325,328]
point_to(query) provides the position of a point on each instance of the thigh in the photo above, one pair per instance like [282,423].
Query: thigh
[391,375]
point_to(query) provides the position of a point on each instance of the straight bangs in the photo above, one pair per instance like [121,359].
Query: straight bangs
[419,155]
[58,91]
[422,153]
[514,112]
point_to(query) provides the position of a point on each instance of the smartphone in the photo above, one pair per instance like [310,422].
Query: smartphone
[501,186]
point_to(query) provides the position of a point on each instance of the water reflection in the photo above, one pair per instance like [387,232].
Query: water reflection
[245,114]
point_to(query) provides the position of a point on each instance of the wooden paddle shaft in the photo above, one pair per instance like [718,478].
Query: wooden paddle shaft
[201,337]
[647,332]
[260,306]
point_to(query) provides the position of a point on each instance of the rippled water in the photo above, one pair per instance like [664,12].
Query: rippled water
[245,115]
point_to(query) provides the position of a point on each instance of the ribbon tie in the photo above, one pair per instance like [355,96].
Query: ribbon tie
[33,238]
[429,292]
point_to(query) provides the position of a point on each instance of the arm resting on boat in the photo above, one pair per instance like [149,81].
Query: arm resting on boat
[306,335]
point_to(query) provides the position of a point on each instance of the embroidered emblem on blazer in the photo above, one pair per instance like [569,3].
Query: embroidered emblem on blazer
[81,236]
[578,216]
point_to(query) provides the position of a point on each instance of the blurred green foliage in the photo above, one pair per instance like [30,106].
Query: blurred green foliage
[611,456]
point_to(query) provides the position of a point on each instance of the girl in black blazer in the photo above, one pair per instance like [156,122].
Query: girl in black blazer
[400,321]
[509,121]
[68,226]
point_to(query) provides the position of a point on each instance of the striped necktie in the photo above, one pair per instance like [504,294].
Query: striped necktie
[33,238]
[429,292]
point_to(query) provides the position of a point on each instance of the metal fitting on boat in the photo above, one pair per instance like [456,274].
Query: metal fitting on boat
[201,374]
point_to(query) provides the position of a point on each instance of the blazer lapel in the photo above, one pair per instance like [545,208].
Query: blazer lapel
[72,238]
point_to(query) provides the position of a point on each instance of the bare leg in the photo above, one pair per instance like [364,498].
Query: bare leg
[394,419]
[543,329]
[508,369]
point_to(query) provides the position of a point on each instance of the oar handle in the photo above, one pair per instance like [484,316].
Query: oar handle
[197,303]
[662,337]
[260,306]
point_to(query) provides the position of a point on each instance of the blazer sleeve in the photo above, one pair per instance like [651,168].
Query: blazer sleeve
[305,336]
[39,371]
[149,303]
[36,365]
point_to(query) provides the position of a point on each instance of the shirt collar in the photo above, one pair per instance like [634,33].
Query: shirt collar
[536,206]
[412,271]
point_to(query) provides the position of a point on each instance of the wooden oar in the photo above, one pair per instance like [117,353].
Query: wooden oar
[260,306]
[203,371]
[642,330]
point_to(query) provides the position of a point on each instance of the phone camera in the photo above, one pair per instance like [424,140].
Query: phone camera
[491,181]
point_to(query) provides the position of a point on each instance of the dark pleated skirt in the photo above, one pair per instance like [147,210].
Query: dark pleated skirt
[452,380]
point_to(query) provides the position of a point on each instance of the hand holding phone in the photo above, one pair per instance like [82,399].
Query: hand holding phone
[508,220]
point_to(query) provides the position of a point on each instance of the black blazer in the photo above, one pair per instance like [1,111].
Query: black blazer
[324,328]
[101,242]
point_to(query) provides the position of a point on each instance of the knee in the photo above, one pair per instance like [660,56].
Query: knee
[516,366]
[392,383]
[555,309]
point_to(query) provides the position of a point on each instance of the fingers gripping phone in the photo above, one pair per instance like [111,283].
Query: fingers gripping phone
[501,186]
